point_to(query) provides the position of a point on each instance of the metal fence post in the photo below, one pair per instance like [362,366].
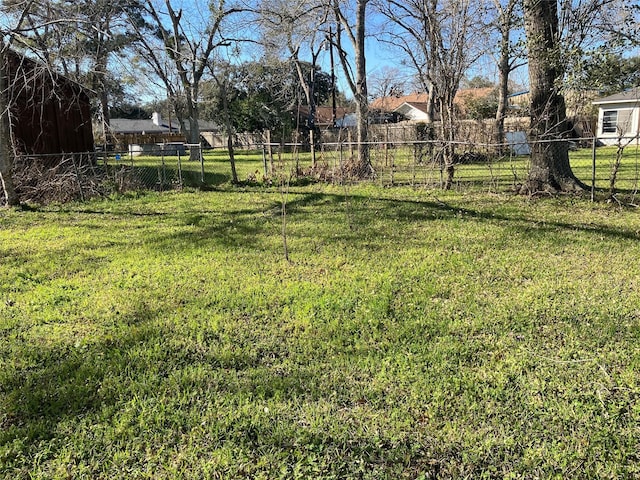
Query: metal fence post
[264,159]
[179,168]
[201,163]
[593,168]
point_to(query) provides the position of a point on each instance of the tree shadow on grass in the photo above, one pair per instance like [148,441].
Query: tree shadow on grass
[56,390]
[356,220]
[371,210]
[45,383]
[159,178]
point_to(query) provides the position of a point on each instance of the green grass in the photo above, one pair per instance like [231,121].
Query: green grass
[394,166]
[414,334]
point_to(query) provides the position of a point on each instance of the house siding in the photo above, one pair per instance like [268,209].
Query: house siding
[615,109]
[611,137]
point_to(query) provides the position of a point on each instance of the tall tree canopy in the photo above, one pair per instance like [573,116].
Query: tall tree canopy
[179,44]
[610,73]
[263,95]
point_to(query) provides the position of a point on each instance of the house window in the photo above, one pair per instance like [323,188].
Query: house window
[616,121]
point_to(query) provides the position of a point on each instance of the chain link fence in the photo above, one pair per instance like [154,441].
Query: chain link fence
[610,171]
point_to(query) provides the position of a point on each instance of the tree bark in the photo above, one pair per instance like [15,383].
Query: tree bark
[449,135]
[503,83]
[550,168]
[362,167]
[6,151]
[229,131]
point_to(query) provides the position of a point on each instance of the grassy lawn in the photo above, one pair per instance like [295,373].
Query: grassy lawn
[398,166]
[414,334]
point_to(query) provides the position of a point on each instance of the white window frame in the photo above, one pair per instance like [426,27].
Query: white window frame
[617,121]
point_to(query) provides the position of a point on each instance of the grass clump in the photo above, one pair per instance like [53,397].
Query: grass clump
[165,336]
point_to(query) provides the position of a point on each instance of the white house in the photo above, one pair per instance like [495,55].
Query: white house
[414,111]
[619,117]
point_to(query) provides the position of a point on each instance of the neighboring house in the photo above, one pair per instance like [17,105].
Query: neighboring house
[147,126]
[394,109]
[414,107]
[619,117]
[150,134]
[50,113]
[390,104]
[413,111]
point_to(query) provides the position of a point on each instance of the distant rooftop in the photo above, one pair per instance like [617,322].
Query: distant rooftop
[154,125]
[631,95]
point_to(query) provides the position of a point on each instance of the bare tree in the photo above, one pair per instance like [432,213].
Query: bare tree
[18,12]
[221,73]
[351,20]
[440,39]
[508,59]
[387,82]
[188,41]
[288,27]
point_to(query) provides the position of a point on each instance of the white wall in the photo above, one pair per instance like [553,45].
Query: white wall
[610,138]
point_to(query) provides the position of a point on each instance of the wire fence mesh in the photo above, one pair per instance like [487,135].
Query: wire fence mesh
[612,170]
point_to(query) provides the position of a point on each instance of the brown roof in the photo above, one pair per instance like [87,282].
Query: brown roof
[422,106]
[389,104]
[419,100]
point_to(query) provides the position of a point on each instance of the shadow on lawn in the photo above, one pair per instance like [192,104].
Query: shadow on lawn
[66,390]
[56,382]
[159,178]
[356,220]
[368,210]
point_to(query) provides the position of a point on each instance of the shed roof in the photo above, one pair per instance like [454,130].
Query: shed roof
[148,126]
[632,96]
[419,100]
[389,104]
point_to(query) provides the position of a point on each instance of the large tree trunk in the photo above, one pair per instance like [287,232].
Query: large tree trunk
[194,125]
[194,140]
[6,151]
[503,88]
[229,132]
[501,113]
[363,167]
[449,135]
[99,85]
[550,168]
